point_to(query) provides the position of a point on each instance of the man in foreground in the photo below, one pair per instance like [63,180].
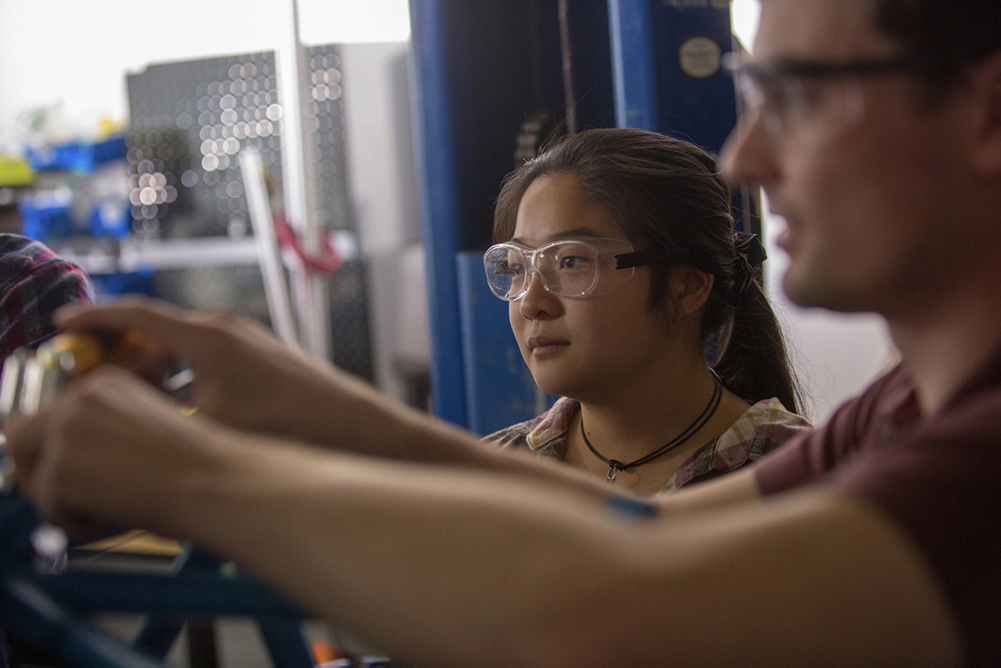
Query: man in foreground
[875,129]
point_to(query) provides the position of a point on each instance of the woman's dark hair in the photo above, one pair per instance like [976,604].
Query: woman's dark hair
[666,193]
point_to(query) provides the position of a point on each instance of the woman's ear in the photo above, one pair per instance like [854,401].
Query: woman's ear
[691,288]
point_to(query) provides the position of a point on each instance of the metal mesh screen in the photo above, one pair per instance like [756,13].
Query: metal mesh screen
[189,121]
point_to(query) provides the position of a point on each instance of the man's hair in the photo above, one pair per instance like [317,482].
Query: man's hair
[954,33]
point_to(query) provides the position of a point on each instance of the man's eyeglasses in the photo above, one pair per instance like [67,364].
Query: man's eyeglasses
[811,103]
[572,268]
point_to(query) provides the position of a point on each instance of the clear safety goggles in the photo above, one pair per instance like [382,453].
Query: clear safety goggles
[571,268]
[812,104]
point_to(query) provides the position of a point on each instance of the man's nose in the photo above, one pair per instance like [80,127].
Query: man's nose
[747,155]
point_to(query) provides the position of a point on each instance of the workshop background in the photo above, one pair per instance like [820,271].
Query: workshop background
[122,126]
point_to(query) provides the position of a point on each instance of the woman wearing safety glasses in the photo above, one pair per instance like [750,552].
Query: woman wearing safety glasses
[632,298]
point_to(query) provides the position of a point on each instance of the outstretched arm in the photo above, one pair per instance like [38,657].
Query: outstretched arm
[249,380]
[451,566]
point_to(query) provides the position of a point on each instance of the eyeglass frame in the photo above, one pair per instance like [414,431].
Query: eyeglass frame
[628,260]
[862,67]
[786,69]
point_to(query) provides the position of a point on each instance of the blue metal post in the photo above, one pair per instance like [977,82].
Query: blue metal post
[633,72]
[666,62]
[500,390]
[439,203]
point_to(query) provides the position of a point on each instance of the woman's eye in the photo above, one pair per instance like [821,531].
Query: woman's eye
[574,262]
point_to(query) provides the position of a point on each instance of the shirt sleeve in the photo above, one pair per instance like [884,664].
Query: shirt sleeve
[808,458]
[937,478]
[36,283]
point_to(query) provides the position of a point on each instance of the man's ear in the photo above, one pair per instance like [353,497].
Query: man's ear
[987,89]
[691,289]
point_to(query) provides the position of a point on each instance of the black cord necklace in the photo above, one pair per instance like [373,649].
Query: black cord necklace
[614,465]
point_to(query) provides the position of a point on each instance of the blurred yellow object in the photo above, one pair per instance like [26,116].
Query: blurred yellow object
[79,353]
[135,542]
[15,173]
[30,379]
[108,127]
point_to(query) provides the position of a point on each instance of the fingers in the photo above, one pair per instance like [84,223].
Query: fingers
[25,437]
[157,321]
[199,337]
[96,453]
[242,372]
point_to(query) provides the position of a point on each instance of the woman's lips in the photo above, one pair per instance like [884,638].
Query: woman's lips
[543,345]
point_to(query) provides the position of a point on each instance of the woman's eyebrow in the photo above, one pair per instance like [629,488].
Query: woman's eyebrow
[575,233]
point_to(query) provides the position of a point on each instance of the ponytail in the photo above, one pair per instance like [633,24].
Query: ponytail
[754,364]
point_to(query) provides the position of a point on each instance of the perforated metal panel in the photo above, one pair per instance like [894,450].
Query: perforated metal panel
[189,121]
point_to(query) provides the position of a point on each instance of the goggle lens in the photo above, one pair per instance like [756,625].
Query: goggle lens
[566,268]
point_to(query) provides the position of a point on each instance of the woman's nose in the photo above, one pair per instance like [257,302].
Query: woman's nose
[537,302]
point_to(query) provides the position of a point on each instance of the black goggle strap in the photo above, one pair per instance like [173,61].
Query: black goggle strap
[749,251]
[653,256]
[663,255]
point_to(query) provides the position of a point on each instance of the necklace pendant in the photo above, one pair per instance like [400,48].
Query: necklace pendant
[614,466]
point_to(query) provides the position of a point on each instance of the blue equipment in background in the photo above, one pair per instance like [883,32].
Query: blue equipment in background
[46,217]
[52,213]
[79,156]
[142,282]
[489,351]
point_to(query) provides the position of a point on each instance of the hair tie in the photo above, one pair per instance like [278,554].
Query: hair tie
[749,253]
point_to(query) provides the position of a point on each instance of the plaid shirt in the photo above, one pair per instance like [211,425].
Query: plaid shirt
[763,427]
[34,282]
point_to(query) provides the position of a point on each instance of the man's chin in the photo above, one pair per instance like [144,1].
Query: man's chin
[814,292]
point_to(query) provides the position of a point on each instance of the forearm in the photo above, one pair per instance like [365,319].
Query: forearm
[443,567]
[371,424]
[440,566]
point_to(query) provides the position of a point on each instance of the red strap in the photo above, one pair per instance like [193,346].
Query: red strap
[327,262]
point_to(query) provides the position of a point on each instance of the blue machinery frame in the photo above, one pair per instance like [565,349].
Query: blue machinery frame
[475,82]
[38,608]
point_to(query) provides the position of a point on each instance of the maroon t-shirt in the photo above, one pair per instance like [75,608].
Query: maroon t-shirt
[940,477]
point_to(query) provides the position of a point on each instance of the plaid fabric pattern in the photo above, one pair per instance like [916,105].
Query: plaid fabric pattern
[762,428]
[34,282]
